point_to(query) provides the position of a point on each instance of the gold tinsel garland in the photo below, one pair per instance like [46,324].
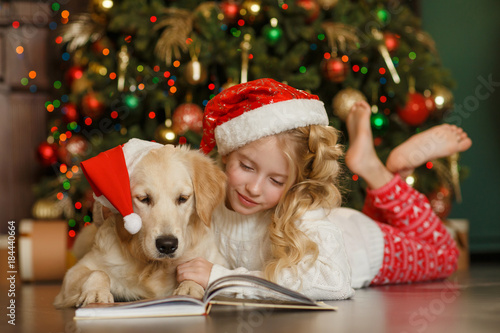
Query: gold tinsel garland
[177,26]
[82,29]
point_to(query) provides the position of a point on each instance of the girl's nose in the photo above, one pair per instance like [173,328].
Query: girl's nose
[254,186]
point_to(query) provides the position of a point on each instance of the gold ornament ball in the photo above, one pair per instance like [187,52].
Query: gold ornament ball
[195,72]
[46,209]
[164,134]
[327,4]
[344,100]
[81,85]
[51,208]
[443,97]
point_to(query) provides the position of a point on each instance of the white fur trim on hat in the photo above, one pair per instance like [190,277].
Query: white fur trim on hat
[268,120]
[135,149]
[105,202]
[133,223]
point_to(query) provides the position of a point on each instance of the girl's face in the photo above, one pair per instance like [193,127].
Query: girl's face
[257,174]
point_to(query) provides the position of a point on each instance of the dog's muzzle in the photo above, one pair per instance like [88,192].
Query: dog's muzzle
[167,244]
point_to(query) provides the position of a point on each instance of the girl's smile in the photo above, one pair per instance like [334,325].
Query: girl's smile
[246,201]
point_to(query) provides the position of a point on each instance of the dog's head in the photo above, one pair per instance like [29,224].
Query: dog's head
[174,191]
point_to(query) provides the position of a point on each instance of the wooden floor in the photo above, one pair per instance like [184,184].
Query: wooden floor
[467,302]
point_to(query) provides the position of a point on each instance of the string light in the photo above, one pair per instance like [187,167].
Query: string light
[410,180]
[108,4]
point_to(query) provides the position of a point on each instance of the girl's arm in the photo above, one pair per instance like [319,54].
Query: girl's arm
[327,278]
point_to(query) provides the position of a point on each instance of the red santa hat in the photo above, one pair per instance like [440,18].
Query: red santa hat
[108,175]
[249,111]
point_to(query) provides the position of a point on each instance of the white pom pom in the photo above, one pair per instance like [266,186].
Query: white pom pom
[133,223]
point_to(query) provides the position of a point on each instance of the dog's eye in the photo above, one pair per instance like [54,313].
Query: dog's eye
[144,199]
[182,199]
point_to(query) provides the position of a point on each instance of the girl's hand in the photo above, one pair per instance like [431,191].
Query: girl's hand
[197,270]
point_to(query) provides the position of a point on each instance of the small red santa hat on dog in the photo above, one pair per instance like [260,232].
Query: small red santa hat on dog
[108,175]
[249,111]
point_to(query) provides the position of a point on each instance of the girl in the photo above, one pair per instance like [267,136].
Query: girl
[281,219]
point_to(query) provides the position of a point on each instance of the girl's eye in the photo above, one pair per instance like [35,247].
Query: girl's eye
[277,182]
[246,167]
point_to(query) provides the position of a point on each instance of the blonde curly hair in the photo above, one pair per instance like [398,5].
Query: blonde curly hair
[313,158]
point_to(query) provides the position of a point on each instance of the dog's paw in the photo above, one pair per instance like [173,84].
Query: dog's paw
[95,296]
[190,288]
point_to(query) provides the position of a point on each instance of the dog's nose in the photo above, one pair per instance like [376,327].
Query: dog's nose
[167,244]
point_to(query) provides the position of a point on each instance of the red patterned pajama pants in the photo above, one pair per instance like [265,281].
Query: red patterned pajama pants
[417,246]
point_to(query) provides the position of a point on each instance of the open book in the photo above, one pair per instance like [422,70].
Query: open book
[273,296]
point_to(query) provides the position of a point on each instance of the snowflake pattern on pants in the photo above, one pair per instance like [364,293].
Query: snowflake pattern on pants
[417,246]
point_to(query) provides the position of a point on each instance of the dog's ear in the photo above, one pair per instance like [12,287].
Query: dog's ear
[209,185]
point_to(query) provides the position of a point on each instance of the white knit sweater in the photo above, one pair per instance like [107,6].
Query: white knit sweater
[350,251]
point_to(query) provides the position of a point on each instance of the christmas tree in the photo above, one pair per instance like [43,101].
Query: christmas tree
[146,68]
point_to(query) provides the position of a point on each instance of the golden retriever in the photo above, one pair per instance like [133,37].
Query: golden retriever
[174,191]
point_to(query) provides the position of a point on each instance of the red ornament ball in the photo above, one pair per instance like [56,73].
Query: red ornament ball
[187,116]
[92,106]
[230,9]
[70,113]
[334,69]
[415,112]
[74,73]
[312,7]
[47,153]
[391,41]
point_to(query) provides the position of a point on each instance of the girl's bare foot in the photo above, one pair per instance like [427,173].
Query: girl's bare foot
[436,142]
[361,157]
